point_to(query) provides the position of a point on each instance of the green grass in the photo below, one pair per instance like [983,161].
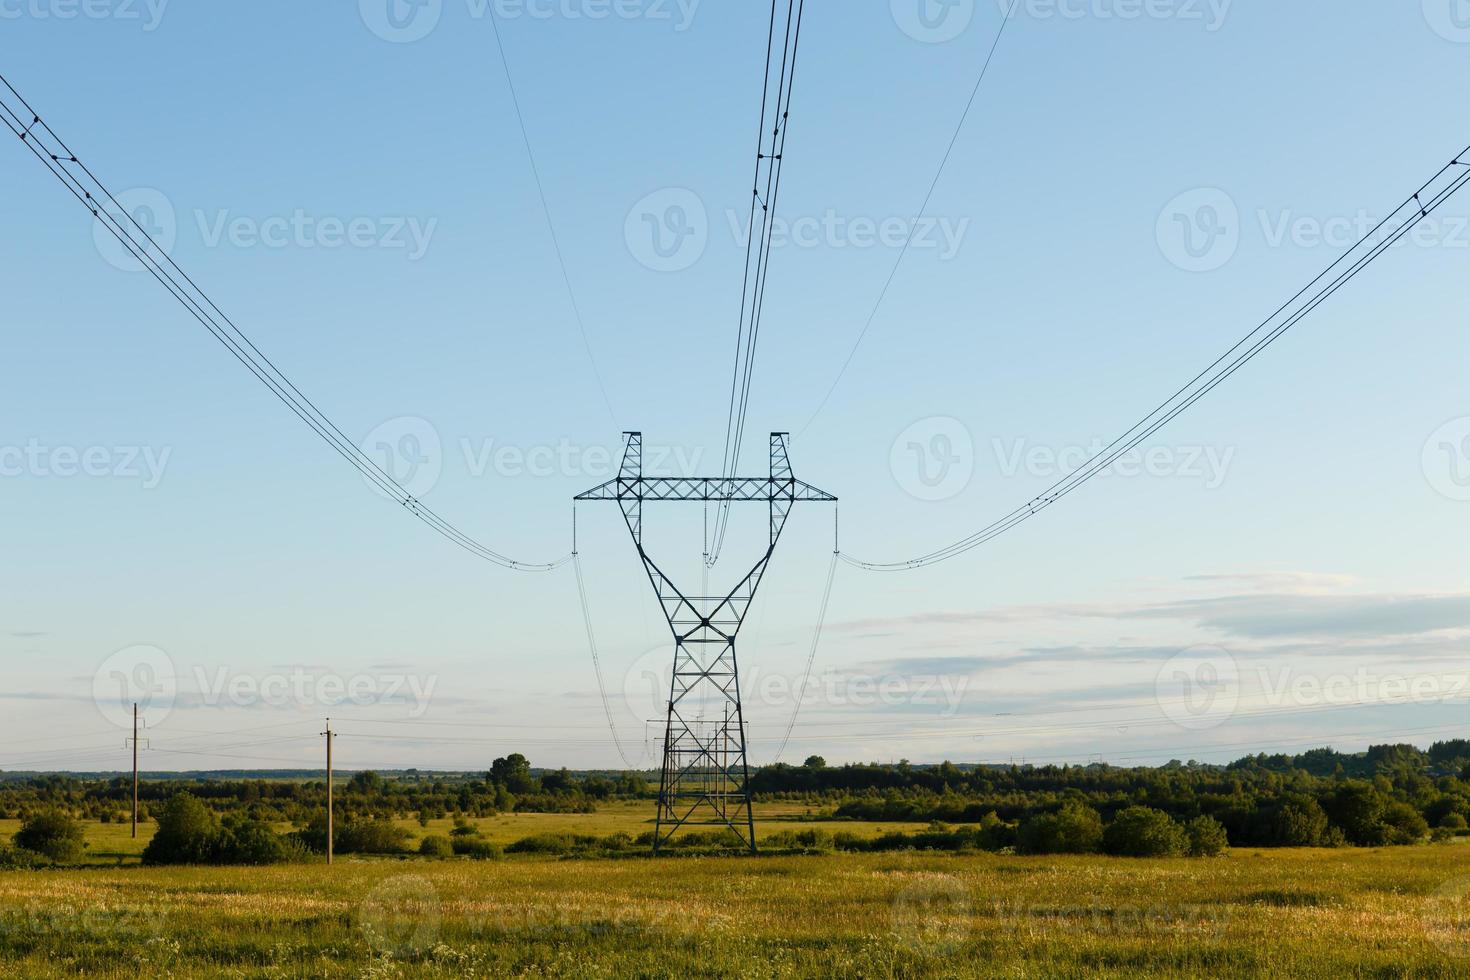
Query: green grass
[1394,912]
[112,843]
[1344,913]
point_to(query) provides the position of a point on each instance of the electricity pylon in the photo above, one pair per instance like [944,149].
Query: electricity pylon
[706,775]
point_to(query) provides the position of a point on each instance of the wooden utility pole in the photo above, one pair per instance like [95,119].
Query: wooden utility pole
[135,769]
[134,742]
[328,734]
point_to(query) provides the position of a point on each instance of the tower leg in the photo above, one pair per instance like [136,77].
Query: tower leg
[706,771]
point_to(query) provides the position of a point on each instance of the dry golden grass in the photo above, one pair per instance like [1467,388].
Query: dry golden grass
[1345,913]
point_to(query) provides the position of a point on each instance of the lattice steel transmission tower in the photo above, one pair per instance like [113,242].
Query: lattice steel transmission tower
[706,774]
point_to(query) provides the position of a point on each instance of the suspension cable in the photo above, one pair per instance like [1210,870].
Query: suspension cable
[1416,208]
[76,177]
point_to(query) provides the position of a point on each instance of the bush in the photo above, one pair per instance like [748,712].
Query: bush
[1074,829]
[188,833]
[477,848]
[371,837]
[1141,831]
[251,842]
[818,841]
[1206,837]
[436,847]
[18,859]
[1404,824]
[52,834]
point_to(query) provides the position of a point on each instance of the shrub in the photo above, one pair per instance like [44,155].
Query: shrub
[1141,831]
[1206,837]
[477,848]
[52,834]
[188,833]
[1074,829]
[1404,824]
[436,847]
[543,844]
[1453,821]
[371,837]
[18,859]
[250,842]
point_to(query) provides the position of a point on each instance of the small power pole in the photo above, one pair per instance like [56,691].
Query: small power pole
[328,734]
[134,743]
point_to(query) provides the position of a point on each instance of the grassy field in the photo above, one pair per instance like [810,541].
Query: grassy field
[1395,912]
[111,843]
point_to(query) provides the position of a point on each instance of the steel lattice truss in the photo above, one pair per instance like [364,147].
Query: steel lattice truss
[706,775]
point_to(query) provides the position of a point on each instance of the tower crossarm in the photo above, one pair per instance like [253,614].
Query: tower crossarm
[754,489]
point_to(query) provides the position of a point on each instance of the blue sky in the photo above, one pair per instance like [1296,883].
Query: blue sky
[358,198]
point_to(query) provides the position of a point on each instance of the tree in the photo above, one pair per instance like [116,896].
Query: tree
[514,773]
[1206,837]
[53,834]
[559,781]
[1141,831]
[1403,824]
[1357,808]
[815,762]
[366,782]
[1074,829]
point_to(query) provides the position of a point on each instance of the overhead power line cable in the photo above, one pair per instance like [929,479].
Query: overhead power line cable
[58,158]
[1417,207]
[775,115]
[913,229]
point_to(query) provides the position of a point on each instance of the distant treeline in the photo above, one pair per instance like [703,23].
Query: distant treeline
[509,786]
[1390,794]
